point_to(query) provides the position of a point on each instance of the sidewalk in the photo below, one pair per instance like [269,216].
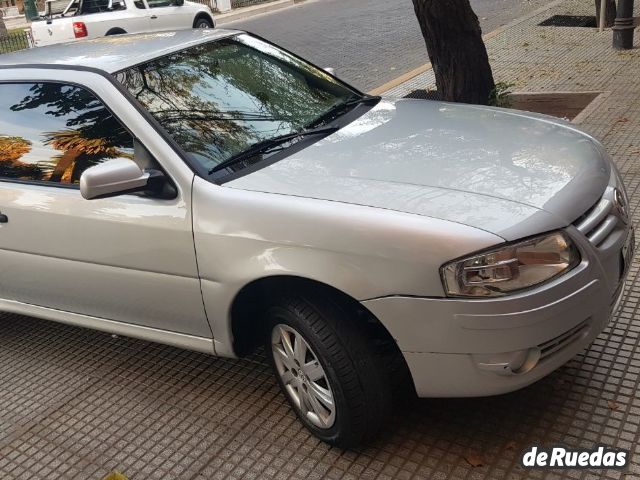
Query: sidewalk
[547,59]
[79,404]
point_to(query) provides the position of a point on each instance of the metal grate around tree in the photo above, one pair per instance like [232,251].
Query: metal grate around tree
[16,40]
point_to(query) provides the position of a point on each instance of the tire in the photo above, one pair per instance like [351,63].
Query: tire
[202,23]
[115,31]
[339,365]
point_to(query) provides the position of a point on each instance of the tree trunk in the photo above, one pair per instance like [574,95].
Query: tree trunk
[611,13]
[65,161]
[458,56]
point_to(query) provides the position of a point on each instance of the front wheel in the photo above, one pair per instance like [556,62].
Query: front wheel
[327,370]
[202,23]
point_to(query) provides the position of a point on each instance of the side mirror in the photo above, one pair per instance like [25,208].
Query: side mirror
[178,3]
[330,71]
[117,177]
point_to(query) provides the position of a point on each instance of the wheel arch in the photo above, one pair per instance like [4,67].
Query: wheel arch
[203,15]
[247,308]
[115,31]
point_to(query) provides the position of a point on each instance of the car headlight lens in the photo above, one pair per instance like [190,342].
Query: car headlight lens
[511,267]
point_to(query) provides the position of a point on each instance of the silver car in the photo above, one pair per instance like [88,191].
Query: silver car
[209,190]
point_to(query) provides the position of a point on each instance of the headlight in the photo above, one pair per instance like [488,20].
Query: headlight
[511,267]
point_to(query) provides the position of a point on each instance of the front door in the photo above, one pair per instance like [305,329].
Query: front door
[129,258]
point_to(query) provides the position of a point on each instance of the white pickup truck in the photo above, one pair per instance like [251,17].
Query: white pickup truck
[64,22]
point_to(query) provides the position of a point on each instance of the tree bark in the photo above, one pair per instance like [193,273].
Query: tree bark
[65,161]
[611,13]
[458,56]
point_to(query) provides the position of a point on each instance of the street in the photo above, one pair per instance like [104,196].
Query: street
[368,42]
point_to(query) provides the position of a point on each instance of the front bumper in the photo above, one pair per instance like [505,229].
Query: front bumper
[462,347]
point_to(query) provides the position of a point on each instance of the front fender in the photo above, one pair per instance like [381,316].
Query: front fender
[365,252]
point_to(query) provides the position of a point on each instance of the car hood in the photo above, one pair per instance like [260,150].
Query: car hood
[507,172]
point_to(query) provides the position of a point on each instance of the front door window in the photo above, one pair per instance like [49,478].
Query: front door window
[51,132]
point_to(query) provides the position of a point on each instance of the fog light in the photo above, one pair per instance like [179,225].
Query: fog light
[524,361]
[511,363]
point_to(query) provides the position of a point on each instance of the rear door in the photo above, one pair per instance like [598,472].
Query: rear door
[128,259]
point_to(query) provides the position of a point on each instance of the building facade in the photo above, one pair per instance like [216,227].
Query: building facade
[7,4]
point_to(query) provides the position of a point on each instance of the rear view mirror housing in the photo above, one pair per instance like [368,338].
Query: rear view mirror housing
[121,176]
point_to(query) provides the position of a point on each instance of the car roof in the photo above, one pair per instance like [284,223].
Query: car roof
[114,53]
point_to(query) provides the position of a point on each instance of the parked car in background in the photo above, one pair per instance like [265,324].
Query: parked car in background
[99,18]
[210,190]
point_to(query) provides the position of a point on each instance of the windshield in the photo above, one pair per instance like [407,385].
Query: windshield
[219,99]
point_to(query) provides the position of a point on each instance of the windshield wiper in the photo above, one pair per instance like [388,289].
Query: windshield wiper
[269,145]
[344,107]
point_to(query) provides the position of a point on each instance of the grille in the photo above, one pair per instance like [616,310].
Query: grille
[599,222]
[561,341]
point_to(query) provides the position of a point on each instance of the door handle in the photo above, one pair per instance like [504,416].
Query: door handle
[3,218]
[153,17]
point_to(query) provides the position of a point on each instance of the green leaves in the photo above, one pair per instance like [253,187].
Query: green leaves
[499,96]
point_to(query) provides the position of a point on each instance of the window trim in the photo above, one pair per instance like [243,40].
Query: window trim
[69,186]
[73,186]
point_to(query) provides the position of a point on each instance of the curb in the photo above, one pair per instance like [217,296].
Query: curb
[248,12]
[426,67]
[594,106]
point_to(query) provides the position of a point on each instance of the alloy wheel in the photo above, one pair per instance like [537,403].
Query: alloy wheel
[303,377]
